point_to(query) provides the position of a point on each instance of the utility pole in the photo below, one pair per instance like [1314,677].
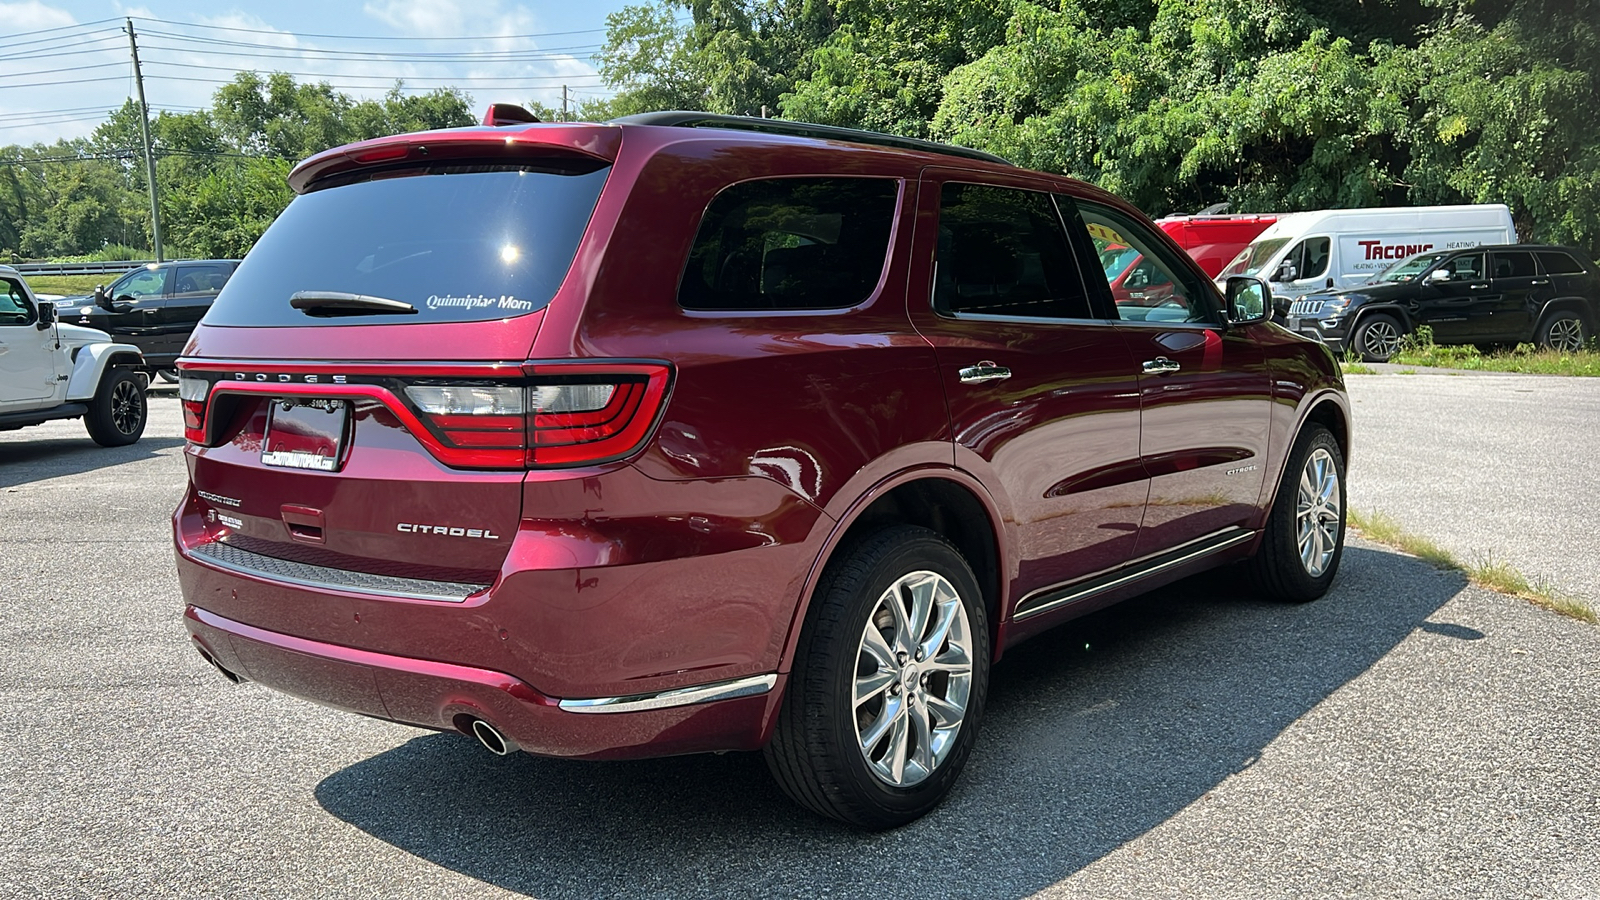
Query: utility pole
[564,116]
[144,129]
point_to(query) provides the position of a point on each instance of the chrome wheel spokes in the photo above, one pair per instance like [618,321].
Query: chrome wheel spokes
[913,678]
[1565,334]
[1382,339]
[1318,517]
[125,411]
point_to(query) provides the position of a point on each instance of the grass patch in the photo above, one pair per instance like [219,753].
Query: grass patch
[66,285]
[1496,575]
[1352,367]
[1419,350]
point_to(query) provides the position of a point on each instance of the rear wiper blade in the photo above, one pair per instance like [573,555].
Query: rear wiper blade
[338,303]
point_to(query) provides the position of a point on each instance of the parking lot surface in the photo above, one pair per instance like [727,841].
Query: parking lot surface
[1408,735]
[1489,466]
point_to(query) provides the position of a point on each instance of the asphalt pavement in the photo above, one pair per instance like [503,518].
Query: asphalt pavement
[1503,467]
[1406,736]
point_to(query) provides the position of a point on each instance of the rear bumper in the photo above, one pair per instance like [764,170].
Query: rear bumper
[447,697]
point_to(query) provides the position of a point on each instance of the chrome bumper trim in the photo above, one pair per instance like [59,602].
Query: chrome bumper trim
[704,693]
[284,571]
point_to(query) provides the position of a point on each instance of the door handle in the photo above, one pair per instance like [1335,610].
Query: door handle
[982,372]
[1540,281]
[1478,287]
[1161,366]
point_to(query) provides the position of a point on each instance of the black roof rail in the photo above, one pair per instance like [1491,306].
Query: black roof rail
[681,119]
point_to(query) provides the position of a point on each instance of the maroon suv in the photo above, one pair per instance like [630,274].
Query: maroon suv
[685,433]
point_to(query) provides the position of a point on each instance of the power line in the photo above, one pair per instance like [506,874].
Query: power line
[313,55]
[385,77]
[57,28]
[51,40]
[6,87]
[73,49]
[379,54]
[359,37]
[67,69]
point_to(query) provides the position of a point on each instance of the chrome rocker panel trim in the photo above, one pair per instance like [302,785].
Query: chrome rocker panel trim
[1050,598]
[752,686]
[244,562]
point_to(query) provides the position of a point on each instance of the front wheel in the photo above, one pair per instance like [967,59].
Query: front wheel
[1377,338]
[1563,330]
[118,411]
[1304,538]
[888,685]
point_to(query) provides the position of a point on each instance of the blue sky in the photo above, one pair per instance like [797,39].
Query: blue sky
[59,83]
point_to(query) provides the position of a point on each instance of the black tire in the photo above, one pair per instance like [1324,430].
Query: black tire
[1377,338]
[816,751]
[118,411]
[170,376]
[1563,329]
[1278,569]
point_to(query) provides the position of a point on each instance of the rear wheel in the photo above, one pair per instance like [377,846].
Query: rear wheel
[1377,338]
[1304,538]
[118,411]
[1563,330]
[888,685]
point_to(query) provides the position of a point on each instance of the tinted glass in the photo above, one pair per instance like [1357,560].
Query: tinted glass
[200,279]
[1312,260]
[460,243]
[14,306]
[1557,263]
[1514,265]
[1003,252]
[1159,288]
[791,243]
[140,283]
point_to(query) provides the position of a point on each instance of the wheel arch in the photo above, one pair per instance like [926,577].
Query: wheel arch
[90,365]
[947,501]
[1364,311]
[1328,408]
[1561,304]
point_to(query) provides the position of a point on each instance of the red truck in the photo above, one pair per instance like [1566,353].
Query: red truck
[1212,241]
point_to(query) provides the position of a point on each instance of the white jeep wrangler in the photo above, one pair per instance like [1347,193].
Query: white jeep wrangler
[50,370]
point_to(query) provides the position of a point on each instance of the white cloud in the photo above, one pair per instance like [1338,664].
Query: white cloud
[31,16]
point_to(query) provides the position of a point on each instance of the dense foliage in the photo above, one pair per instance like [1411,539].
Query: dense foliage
[221,171]
[1176,104]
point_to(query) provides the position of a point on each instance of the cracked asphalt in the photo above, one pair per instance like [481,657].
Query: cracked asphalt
[1407,736]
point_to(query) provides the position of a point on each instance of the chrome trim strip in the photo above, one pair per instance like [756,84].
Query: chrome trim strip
[702,693]
[283,571]
[1203,546]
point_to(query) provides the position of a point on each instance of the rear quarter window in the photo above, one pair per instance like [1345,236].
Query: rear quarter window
[459,243]
[1557,263]
[791,244]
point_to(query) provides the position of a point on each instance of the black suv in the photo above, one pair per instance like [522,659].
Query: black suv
[1486,295]
[153,307]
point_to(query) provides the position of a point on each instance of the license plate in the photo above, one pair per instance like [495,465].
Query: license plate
[305,434]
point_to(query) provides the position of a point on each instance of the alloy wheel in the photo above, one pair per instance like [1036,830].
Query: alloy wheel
[913,678]
[126,411]
[1317,513]
[1381,339]
[1565,334]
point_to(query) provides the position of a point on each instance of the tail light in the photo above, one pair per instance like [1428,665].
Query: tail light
[569,415]
[192,394]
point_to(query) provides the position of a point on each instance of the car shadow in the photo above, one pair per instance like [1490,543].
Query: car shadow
[27,461]
[1095,733]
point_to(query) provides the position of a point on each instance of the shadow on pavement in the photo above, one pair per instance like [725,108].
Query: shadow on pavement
[27,461]
[1096,733]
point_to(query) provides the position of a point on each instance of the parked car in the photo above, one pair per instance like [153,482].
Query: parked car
[50,370]
[154,307]
[1214,240]
[1327,249]
[1504,294]
[623,440]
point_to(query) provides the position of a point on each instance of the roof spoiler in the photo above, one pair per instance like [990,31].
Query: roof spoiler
[500,114]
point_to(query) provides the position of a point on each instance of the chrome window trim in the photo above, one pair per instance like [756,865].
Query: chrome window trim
[752,686]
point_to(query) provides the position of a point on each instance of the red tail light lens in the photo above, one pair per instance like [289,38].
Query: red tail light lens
[192,394]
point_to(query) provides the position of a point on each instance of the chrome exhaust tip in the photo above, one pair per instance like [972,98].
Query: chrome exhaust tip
[491,738]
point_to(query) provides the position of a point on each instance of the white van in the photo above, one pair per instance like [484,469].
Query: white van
[1342,248]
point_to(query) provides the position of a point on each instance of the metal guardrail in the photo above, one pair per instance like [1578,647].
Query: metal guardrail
[83,268]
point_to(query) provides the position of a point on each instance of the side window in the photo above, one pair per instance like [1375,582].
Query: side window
[1003,252]
[1558,263]
[141,283]
[14,306]
[791,243]
[1464,268]
[200,279]
[1310,258]
[1517,264]
[1155,289]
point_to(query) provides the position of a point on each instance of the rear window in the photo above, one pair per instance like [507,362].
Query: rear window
[791,243]
[459,243]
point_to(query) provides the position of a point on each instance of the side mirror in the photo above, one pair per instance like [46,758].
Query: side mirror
[1248,299]
[1439,275]
[1286,272]
[47,315]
